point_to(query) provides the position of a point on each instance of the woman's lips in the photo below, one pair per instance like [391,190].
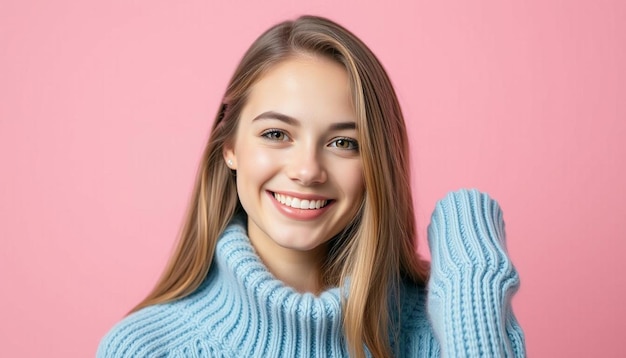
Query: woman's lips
[305,207]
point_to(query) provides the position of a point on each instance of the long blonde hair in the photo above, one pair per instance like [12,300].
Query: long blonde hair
[378,249]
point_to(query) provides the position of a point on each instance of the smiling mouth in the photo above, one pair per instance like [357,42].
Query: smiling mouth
[298,203]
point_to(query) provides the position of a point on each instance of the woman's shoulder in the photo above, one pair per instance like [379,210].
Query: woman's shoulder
[133,335]
[163,330]
[151,331]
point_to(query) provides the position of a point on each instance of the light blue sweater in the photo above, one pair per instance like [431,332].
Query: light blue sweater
[241,310]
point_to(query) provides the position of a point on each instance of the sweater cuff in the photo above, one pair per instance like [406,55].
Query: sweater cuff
[472,316]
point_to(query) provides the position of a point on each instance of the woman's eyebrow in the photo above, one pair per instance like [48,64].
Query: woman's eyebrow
[294,122]
[343,126]
[279,116]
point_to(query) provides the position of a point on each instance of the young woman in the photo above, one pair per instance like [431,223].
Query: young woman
[299,240]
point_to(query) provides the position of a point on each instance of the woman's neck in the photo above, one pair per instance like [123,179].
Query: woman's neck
[301,270]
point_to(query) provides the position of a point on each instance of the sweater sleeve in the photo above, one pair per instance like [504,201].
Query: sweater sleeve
[472,279]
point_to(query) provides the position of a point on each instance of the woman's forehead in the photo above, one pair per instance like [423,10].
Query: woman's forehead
[303,87]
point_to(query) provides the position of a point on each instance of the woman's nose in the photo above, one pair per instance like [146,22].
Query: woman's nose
[305,166]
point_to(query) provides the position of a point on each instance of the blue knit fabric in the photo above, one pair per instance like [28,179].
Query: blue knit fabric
[241,310]
[472,279]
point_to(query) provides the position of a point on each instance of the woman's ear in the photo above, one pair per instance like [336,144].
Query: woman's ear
[229,156]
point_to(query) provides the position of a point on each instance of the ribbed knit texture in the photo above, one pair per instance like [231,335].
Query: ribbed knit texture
[473,280]
[241,310]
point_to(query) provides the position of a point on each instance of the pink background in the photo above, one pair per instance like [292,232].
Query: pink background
[105,107]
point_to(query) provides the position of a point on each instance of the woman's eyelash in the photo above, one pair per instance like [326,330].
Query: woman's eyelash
[345,143]
[275,135]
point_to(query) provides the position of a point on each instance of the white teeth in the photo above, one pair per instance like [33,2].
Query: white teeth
[300,203]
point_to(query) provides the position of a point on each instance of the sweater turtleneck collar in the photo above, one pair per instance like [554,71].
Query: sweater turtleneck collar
[253,309]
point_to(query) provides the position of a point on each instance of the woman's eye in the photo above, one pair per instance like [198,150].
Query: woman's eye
[345,143]
[275,135]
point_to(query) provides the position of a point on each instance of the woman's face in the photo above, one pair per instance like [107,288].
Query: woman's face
[296,154]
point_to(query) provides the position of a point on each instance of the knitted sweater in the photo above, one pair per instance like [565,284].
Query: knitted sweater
[241,310]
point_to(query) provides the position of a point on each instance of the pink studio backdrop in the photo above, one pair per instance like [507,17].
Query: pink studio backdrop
[105,107]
